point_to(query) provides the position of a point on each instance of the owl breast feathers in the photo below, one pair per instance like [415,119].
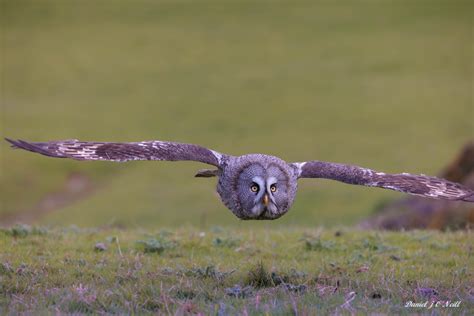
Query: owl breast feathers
[253,186]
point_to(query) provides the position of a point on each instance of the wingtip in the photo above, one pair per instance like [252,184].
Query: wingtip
[17,143]
[21,144]
[13,143]
[469,198]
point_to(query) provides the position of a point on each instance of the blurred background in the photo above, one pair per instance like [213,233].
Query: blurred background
[382,84]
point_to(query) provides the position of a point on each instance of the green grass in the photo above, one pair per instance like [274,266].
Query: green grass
[232,271]
[385,84]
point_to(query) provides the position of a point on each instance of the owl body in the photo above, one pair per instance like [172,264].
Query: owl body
[253,186]
[257,186]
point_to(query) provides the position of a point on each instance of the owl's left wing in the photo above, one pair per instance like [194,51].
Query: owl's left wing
[146,150]
[404,182]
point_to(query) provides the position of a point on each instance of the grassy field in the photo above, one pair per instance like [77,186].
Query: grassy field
[381,84]
[234,271]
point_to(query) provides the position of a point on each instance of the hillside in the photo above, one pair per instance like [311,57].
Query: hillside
[387,86]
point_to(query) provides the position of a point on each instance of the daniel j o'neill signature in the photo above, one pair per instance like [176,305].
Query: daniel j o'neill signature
[433,304]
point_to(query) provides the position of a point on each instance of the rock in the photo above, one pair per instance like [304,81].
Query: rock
[100,246]
[413,212]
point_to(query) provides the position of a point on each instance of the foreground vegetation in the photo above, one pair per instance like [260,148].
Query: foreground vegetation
[233,271]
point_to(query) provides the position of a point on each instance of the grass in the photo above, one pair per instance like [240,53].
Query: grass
[384,84]
[261,271]
[381,84]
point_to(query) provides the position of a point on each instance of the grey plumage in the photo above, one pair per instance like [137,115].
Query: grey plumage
[121,152]
[253,186]
[240,173]
[403,182]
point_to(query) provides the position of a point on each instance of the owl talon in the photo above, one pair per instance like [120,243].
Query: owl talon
[207,173]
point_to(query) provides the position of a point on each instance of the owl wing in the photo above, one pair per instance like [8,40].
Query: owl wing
[146,150]
[404,182]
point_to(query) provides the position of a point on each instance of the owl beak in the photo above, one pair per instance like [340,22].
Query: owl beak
[265,199]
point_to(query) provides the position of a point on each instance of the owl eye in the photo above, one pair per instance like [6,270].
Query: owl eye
[273,188]
[254,188]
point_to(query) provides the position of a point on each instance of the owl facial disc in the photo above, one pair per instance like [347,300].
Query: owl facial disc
[264,200]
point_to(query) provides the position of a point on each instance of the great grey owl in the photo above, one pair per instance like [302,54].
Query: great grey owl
[253,186]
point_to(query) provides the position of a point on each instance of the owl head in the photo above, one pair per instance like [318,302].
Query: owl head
[263,187]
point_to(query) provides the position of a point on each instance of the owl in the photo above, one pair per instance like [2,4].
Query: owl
[252,186]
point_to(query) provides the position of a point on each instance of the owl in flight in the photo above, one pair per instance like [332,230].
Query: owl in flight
[253,186]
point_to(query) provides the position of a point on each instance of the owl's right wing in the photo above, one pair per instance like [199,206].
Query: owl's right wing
[404,182]
[146,150]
